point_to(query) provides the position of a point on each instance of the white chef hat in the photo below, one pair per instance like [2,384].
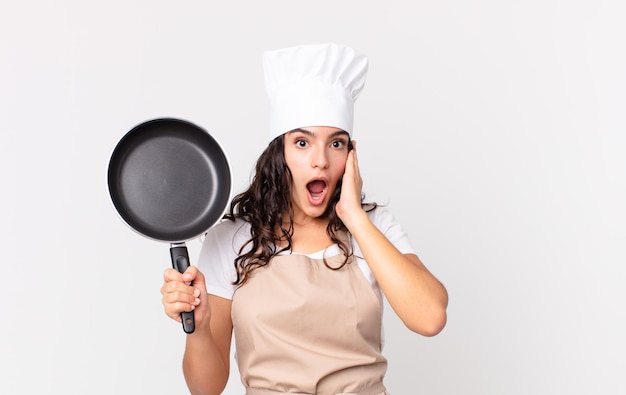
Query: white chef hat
[313,85]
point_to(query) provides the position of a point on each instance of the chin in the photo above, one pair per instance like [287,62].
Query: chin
[314,211]
[317,212]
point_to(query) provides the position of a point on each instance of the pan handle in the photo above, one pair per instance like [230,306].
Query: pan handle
[180,262]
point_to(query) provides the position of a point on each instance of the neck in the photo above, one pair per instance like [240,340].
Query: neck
[309,234]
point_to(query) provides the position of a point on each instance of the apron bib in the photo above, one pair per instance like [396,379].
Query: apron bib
[302,328]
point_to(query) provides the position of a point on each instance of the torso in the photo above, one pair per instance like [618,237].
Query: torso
[301,327]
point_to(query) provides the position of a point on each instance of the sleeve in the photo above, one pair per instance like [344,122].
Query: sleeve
[217,255]
[383,219]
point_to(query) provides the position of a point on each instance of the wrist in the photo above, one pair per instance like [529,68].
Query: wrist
[355,220]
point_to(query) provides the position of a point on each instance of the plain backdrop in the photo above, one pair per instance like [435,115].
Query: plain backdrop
[493,129]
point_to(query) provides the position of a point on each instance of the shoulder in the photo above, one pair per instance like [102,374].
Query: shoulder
[228,233]
[223,242]
[381,217]
[229,226]
[386,223]
[220,248]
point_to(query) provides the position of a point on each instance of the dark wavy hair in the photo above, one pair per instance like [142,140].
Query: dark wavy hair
[265,203]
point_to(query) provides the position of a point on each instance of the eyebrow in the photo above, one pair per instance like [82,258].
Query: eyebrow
[334,134]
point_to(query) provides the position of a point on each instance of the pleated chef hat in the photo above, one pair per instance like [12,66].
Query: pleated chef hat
[313,85]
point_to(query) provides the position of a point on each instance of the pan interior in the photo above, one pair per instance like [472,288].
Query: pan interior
[169,180]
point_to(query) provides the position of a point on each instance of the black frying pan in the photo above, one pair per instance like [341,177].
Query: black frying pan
[170,181]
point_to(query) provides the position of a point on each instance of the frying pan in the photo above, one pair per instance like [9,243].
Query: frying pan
[170,181]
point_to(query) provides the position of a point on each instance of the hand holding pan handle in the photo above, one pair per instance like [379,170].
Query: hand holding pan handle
[170,181]
[180,262]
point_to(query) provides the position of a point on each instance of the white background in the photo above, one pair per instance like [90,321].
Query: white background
[494,129]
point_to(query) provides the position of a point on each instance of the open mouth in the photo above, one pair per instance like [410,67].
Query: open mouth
[317,190]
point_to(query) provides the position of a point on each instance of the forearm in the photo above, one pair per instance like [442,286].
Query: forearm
[206,371]
[418,298]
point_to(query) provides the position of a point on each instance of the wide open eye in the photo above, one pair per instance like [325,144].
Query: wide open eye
[339,143]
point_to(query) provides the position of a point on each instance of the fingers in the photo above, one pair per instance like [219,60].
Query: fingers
[352,164]
[188,277]
[350,198]
[352,177]
[178,292]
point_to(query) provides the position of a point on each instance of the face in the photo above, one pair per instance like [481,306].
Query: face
[316,157]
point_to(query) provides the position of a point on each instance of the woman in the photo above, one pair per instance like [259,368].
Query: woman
[297,269]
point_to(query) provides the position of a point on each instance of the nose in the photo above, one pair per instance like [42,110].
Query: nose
[320,158]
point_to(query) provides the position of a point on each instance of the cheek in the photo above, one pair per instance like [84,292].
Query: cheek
[341,170]
[292,162]
[339,164]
